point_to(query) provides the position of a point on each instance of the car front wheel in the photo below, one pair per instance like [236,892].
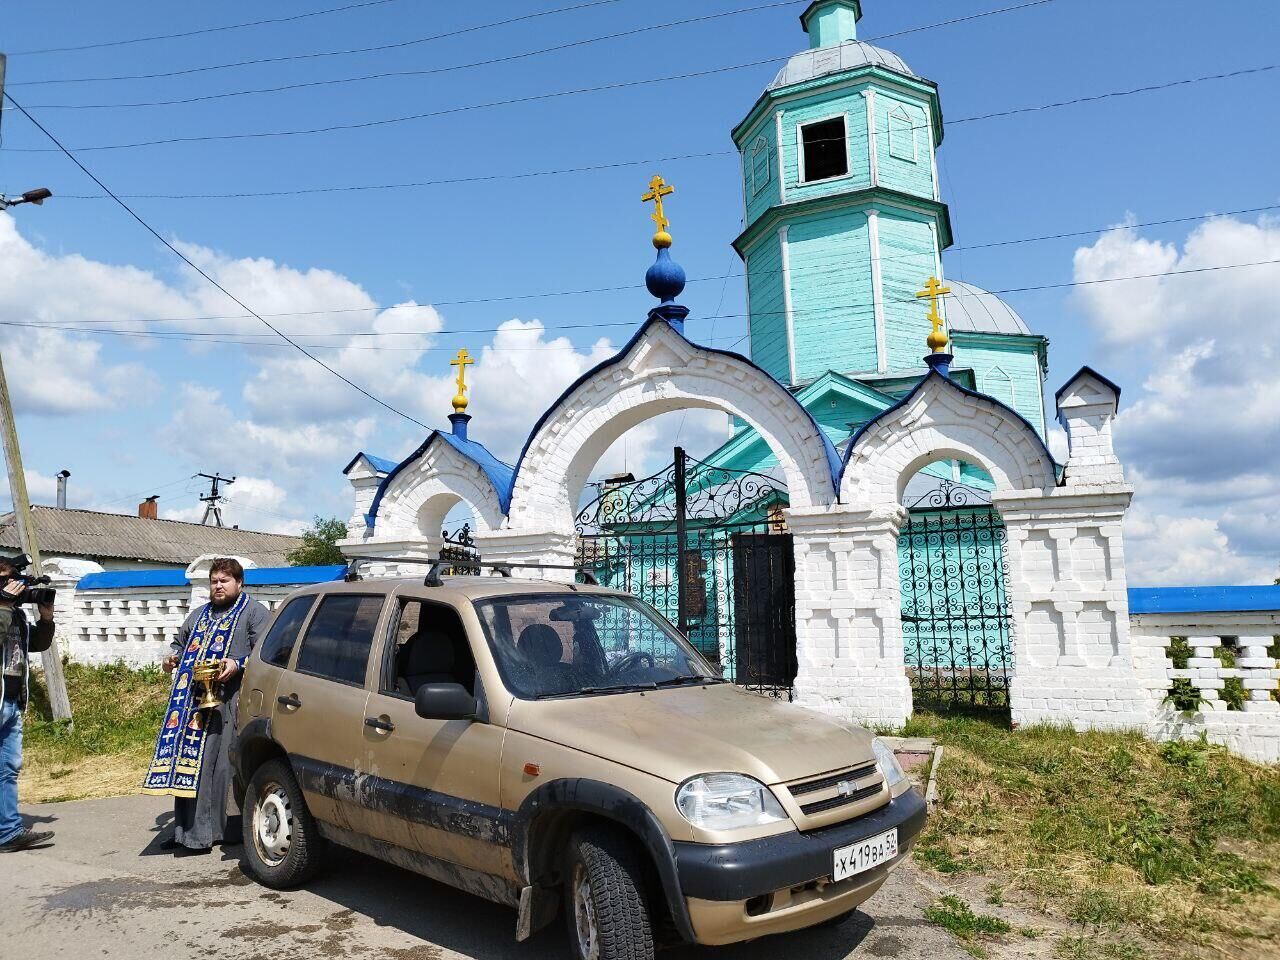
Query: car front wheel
[605,905]
[282,847]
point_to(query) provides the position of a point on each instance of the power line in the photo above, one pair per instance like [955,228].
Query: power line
[182,256]
[431,71]
[450,181]
[400,44]
[439,36]
[728,275]
[203,30]
[862,308]
[620,85]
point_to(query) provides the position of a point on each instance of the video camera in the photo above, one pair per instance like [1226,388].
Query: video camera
[34,592]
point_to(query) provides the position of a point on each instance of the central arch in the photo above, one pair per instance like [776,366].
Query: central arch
[657,372]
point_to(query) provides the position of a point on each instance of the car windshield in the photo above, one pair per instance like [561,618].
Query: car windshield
[555,645]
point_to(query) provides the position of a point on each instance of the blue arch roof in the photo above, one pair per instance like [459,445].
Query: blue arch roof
[857,437]
[833,456]
[500,475]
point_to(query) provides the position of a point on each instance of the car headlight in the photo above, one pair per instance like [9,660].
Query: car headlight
[725,801]
[890,769]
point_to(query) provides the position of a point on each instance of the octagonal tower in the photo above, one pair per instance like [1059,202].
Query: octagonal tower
[843,220]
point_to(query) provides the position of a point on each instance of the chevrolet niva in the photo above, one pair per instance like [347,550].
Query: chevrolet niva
[540,744]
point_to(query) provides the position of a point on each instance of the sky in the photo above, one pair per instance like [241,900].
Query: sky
[516,186]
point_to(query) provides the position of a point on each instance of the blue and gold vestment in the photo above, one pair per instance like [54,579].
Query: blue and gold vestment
[180,744]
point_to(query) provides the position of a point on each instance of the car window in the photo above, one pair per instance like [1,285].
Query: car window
[430,647]
[549,645]
[337,642]
[277,646]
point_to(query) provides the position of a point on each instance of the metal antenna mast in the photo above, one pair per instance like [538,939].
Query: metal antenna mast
[214,498]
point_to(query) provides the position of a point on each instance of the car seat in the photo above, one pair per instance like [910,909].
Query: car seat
[426,657]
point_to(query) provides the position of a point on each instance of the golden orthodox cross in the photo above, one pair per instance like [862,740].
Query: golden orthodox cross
[933,290]
[461,361]
[657,190]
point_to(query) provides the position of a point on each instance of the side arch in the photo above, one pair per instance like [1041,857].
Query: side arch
[413,500]
[940,420]
[659,371]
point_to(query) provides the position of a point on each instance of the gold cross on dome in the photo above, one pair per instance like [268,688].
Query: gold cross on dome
[461,361]
[658,189]
[933,290]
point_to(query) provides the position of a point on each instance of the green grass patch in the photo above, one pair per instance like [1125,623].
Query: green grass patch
[115,709]
[1178,842]
[958,917]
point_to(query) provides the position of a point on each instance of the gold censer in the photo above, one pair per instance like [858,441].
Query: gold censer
[205,673]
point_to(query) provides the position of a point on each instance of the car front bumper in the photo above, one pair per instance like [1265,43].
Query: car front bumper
[739,891]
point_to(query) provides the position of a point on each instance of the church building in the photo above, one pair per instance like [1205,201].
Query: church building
[843,222]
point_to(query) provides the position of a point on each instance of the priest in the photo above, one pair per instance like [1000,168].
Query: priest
[191,761]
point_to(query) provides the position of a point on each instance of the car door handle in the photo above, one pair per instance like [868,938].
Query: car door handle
[379,724]
[291,701]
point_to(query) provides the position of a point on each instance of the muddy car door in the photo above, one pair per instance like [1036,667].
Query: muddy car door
[434,782]
[318,715]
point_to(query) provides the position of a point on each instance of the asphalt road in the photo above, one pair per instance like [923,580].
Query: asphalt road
[105,889]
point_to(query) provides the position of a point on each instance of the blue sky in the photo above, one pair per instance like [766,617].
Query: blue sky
[127,414]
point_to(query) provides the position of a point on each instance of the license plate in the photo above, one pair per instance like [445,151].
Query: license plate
[865,855]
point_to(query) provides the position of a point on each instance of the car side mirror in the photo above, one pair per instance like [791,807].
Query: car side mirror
[444,701]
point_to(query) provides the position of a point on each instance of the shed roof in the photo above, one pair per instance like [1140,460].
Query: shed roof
[90,533]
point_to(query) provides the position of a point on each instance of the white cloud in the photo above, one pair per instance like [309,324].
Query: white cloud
[57,373]
[253,503]
[1200,438]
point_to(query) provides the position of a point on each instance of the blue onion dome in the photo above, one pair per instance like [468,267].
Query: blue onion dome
[665,278]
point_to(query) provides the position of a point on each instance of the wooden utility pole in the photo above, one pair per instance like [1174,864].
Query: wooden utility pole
[51,659]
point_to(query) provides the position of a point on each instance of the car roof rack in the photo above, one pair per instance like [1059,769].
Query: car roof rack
[435,564]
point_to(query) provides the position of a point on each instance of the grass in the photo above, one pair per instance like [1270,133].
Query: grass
[1176,845]
[117,712]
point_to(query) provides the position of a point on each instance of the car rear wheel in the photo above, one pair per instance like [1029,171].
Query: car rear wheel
[282,846]
[605,905]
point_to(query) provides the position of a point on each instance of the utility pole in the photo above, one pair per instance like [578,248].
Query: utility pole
[214,498]
[51,659]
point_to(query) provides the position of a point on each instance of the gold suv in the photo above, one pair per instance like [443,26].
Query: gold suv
[540,744]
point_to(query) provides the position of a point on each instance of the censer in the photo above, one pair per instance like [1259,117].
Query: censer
[205,673]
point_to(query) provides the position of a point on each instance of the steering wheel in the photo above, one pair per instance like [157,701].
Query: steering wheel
[631,660]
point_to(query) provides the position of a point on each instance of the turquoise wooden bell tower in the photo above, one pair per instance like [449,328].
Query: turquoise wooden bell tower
[843,219]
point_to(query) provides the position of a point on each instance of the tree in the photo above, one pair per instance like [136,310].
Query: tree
[319,544]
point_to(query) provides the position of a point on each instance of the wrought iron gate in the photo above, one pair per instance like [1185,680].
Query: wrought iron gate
[708,548]
[955,609]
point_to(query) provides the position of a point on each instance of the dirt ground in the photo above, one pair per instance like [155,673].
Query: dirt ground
[105,885]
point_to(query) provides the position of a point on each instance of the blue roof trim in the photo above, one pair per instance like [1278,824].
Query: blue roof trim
[499,474]
[381,464]
[833,456]
[133,578]
[276,576]
[1204,599]
[254,577]
[857,437]
[1087,370]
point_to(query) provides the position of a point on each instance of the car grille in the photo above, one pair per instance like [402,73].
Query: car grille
[837,796]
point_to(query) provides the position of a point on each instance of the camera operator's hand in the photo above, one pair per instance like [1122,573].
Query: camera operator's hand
[229,669]
[46,611]
[12,590]
[169,663]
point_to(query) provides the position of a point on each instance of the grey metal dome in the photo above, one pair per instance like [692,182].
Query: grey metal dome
[971,309]
[811,64]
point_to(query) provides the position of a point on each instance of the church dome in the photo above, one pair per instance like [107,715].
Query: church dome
[971,309]
[819,62]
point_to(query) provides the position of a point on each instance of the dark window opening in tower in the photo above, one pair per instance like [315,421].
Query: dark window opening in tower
[826,154]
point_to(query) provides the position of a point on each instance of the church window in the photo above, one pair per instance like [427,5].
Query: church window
[902,135]
[824,152]
[760,172]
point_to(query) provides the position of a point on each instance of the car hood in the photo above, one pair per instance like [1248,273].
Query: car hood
[679,732]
